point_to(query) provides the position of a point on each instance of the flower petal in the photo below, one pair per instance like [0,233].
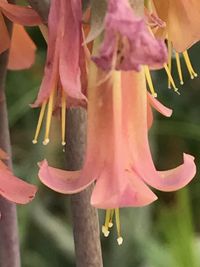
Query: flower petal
[136,134]
[123,189]
[15,189]
[69,61]
[182,18]
[176,178]
[66,182]
[19,14]
[22,50]
[167,112]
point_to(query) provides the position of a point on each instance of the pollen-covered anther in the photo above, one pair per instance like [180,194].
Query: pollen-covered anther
[110,225]
[46,141]
[119,240]
[105,231]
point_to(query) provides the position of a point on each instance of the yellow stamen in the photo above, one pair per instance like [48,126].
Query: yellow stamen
[189,65]
[170,78]
[110,224]
[49,117]
[105,230]
[178,63]
[149,81]
[63,117]
[169,44]
[117,218]
[39,124]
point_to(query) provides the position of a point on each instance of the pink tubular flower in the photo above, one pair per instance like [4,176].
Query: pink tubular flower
[128,44]
[61,84]
[120,161]
[22,48]
[13,188]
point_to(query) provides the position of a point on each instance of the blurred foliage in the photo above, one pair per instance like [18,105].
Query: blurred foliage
[161,235]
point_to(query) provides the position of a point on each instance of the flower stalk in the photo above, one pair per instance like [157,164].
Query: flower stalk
[85,218]
[9,245]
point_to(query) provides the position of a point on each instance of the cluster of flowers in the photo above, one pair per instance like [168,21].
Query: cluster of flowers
[109,78]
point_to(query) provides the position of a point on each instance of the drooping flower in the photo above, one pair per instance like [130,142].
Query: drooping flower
[13,188]
[22,48]
[128,43]
[61,85]
[120,161]
[182,20]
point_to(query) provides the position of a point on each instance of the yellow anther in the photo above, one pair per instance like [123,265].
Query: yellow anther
[39,124]
[106,225]
[149,81]
[178,64]
[63,117]
[169,44]
[105,231]
[120,240]
[117,218]
[170,78]
[189,65]
[49,117]
[110,224]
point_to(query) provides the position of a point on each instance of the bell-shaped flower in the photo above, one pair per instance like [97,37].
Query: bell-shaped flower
[61,84]
[118,156]
[128,43]
[182,18]
[13,188]
[22,48]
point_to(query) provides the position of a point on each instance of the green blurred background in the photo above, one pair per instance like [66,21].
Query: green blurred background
[164,234]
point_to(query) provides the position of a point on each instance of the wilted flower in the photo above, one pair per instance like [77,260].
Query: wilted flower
[128,43]
[61,85]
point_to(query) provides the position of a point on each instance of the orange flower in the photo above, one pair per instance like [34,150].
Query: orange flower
[182,19]
[22,48]
[13,188]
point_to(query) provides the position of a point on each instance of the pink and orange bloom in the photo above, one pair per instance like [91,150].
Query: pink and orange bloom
[182,18]
[13,188]
[22,48]
[120,162]
[118,156]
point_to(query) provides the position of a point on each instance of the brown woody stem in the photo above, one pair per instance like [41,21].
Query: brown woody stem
[85,217]
[9,243]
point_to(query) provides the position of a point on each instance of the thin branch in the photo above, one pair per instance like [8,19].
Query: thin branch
[85,217]
[9,245]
